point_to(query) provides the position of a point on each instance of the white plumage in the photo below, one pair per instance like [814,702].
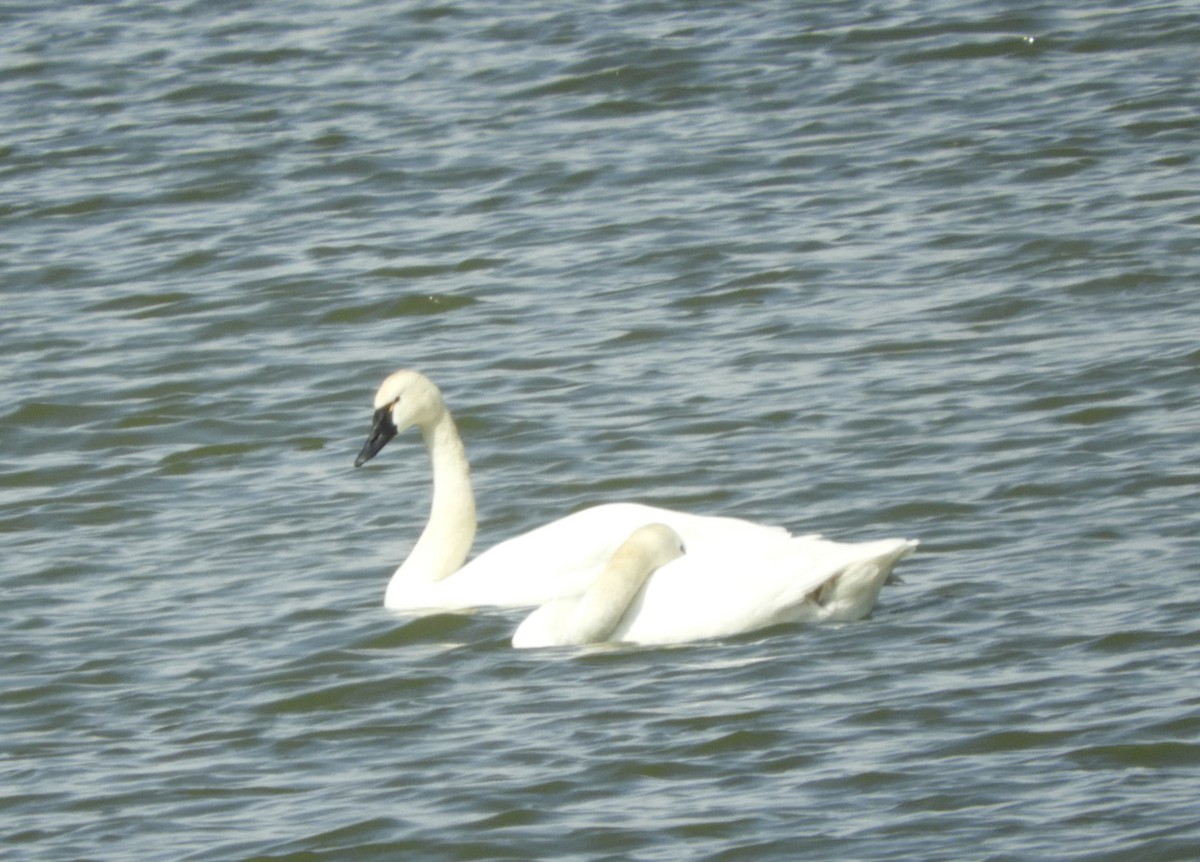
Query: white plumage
[736,575]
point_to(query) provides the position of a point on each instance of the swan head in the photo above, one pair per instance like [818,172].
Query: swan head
[653,545]
[405,399]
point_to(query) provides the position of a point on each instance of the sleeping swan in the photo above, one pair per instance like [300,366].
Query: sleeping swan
[563,557]
[594,616]
[651,592]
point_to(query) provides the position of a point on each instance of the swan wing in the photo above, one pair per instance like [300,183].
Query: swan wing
[561,558]
[740,590]
[546,625]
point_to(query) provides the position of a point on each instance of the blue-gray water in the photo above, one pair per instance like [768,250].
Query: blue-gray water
[918,269]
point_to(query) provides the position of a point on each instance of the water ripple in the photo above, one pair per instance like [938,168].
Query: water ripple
[920,271]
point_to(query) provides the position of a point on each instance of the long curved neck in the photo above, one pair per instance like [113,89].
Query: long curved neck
[600,609]
[446,540]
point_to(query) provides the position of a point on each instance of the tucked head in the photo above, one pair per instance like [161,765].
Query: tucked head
[655,544]
[405,399]
[595,615]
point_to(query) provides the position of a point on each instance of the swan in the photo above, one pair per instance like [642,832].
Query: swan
[651,592]
[594,616]
[563,557]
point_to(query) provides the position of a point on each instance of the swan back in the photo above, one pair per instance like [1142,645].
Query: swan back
[595,615]
[733,590]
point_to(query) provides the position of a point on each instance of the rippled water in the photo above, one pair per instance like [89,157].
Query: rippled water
[928,270]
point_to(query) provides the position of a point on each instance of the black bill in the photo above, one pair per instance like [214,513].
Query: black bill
[383,429]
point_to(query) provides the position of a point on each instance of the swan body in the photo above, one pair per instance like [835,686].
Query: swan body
[722,593]
[562,558]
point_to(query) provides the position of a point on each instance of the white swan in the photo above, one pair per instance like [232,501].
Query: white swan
[563,557]
[651,592]
[594,616]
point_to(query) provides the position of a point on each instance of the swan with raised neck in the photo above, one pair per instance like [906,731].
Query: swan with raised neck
[408,399]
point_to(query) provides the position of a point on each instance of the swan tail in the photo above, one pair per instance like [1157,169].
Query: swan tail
[851,593]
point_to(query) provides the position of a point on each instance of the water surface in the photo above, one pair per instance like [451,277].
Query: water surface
[927,271]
